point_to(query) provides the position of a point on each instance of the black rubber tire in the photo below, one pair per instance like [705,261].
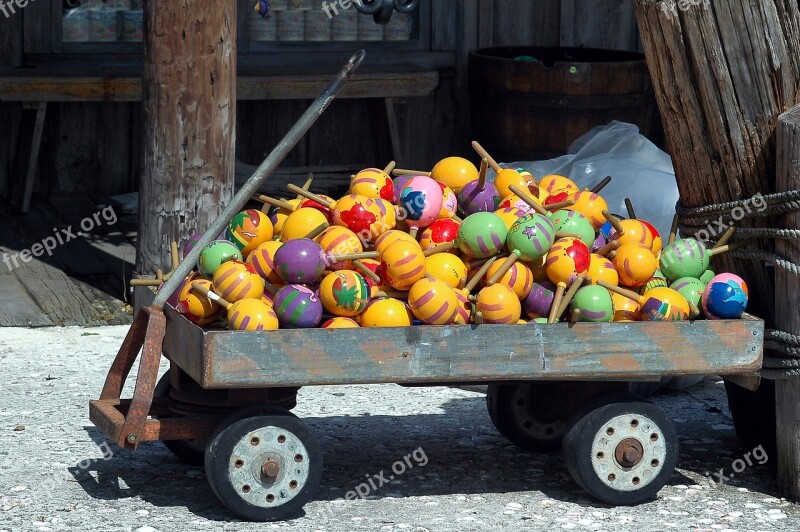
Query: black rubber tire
[191,452]
[219,462]
[527,414]
[585,430]
[753,414]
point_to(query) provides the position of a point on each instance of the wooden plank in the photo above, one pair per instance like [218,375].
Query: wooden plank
[443,24]
[33,160]
[17,309]
[787,301]
[287,87]
[422,354]
[37,20]
[589,24]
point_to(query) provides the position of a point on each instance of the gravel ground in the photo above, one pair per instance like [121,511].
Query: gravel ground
[54,474]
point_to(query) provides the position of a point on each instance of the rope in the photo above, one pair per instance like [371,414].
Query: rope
[777,203]
[766,256]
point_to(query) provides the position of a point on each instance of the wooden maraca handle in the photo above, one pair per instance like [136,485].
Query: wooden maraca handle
[307,184]
[693,310]
[439,248]
[614,223]
[630,294]
[362,268]
[728,247]
[274,202]
[395,294]
[478,317]
[556,302]
[629,208]
[145,282]
[573,288]
[524,196]
[318,230]
[472,283]
[389,167]
[608,248]
[308,195]
[560,205]
[402,171]
[507,264]
[482,173]
[724,238]
[485,155]
[673,231]
[354,256]
[174,255]
[211,295]
[601,185]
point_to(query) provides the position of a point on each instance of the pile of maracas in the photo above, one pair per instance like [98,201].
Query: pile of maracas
[450,247]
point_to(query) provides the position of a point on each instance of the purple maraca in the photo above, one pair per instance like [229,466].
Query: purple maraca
[190,244]
[478,195]
[298,307]
[539,300]
[300,261]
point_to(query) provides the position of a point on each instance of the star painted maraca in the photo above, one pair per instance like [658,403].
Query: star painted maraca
[433,302]
[725,297]
[658,304]
[344,293]
[386,312]
[298,307]
[529,239]
[245,314]
[420,201]
[249,229]
[593,303]
[214,254]
[235,280]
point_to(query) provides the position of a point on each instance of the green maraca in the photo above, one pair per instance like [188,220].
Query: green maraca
[707,276]
[213,255]
[593,303]
[482,235]
[529,239]
[692,290]
[574,222]
[687,258]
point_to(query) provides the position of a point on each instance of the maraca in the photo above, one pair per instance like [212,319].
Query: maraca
[539,300]
[454,172]
[657,244]
[262,259]
[600,268]
[386,312]
[340,323]
[629,231]
[479,195]
[498,304]
[449,203]
[249,229]
[245,314]
[518,278]
[338,240]
[374,183]
[305,222]
[433,302]
[194,303]
[421,200]
[190,244]
[625,310]
[635,264]
[439,232]
[482,235]
[344,293]
[692,290]
[447,267]
[552,183]
[511,214]
[568,258]
[505,177]
[235,280]
[214,254]
[571,221]
[587,202]
[390,237]
[402,264]
[725,297]
[707,276]
[656,281]
[399,183]
[297,307]
[657,304]
[687,258]
[594,304]
[529,239]
[303,261]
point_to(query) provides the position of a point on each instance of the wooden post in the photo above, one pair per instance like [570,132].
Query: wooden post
[787,301]
[189,101]
[722,72]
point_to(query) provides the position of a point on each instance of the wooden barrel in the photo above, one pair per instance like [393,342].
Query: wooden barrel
[529,103]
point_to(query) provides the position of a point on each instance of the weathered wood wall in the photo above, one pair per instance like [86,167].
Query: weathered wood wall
[96,148]
[10,50]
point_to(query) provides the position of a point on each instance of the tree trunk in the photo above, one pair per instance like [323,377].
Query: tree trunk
[787,318]
[723,71]
[189,100]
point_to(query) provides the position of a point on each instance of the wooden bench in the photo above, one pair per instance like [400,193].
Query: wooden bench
[35,90]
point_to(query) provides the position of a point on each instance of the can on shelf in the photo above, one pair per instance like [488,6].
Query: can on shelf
[75,25]
[103,25]
[317,26]
[344,26]
[368,29]
[131,23]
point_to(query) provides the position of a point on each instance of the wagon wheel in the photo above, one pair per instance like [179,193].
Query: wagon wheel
[533,416]
[266,467]
[191,452]
[621,449]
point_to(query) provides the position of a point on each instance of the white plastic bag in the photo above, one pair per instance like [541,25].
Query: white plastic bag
[640,171]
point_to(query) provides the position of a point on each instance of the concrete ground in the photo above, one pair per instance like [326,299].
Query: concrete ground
[57,472]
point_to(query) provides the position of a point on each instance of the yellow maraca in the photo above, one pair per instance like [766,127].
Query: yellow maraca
[635,264]
[262,259]
[402,264]
[454,172]
[433,302]
[374,183]
[600,268]
[447,267]
[195,304]
[344,293]
[235,280]
[386,312]
[498,304]
[390,237]
[518,278]
[245,314]
[553,182]
[625,310]
[337,240]
[340,323]
[302,223]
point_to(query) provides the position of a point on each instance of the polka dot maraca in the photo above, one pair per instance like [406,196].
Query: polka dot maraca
[529,239]
[570,221]
[213,255]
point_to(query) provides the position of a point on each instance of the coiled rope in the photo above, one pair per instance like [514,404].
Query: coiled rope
[694,221]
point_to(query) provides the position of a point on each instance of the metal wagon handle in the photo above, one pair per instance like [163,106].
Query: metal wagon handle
[264,170]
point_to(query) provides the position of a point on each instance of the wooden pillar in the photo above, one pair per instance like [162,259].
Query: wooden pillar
[787,301]
[189,101]
[722,72]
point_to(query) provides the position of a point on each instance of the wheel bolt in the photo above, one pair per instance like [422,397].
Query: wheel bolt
[270,468]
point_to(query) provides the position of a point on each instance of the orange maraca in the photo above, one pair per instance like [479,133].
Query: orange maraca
[553,182]
[433,302]
[337,240]
[245,314]
[567,258]
[402,264]
[262,259]
[600,268]
[518,278]
[195,304]
[635,264]
[498,304]
[235,280]
[344,293]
